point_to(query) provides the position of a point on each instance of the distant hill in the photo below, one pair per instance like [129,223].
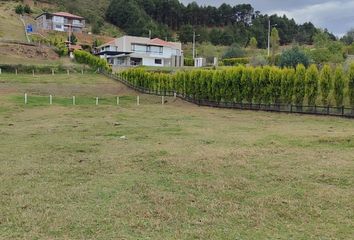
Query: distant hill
[172,20]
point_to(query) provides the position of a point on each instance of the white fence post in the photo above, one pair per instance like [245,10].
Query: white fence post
[33,72]
[16,71]
[96,101]
[50,99]
[137,100]
[163,100]
[117,100]
[26,100]
[174,95]
[74,102]
[82,71]
[68,72]
[0,70]
[52,71]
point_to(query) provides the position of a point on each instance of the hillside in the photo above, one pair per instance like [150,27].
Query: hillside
[11,27]
[172,19]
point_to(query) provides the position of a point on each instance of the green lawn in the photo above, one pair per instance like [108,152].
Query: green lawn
[182,172]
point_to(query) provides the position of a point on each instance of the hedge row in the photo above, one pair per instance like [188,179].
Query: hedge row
[254,85]
[188,62]
[39,69]
[235,61]
[93,61]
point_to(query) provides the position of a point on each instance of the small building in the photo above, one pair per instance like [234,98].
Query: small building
[60,21]
[135,51]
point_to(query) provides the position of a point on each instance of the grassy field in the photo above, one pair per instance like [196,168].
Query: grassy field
[181,172]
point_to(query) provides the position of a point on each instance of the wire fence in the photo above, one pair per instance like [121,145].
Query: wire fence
[283,108]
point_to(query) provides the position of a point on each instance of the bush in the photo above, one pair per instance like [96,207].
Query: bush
[339,84]
[287,85]
[351,85]
[235,61]
[235,51]
[275,77]
[19,9]
[27,9]
[293,57]
[326,84]
[259,60]
[312,77]
[299,84]
[93,61]
[188,62]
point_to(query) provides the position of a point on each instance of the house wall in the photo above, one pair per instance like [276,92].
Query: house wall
[57,23]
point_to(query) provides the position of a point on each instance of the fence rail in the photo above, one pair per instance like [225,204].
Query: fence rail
[283,108]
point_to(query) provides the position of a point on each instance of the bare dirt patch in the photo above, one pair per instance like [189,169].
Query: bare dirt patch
[28,51]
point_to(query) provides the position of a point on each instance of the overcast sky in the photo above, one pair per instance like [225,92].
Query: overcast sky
[335,15]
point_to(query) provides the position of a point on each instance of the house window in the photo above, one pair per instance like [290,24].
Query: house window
[158,61]
[139,48]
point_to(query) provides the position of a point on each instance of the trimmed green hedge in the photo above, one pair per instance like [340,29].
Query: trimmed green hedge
[235,61]
[40,69]
[188,62]
[93,61]
[268,85]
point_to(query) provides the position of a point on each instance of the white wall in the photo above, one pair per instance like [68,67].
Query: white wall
[151,62]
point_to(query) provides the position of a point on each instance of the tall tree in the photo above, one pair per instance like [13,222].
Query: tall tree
[274,40]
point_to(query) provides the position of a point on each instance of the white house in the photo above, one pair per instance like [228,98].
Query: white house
[133,51]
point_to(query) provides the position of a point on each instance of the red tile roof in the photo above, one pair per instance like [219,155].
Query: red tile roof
[68,15]
[160,42]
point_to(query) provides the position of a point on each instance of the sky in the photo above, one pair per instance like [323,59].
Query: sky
[335,15]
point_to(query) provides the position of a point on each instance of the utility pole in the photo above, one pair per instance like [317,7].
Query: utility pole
[194,45]
[194,50]
[269,26]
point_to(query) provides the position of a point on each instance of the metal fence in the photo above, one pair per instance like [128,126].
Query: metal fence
[284,108]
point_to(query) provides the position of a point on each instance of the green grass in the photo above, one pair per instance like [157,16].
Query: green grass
[183,172]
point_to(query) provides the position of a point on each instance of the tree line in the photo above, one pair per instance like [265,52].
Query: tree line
[267,85]
[223,25]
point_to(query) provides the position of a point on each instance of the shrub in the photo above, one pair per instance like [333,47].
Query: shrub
[287,85]
[339,84]
[275,84]
[299,84]
[312,77]
[326,84]
[87,58]
[27,9]
[258,61]
[293,57]
[188,62]
[235,51]
[257,87]
[19,9]
[235,61]
[247,84]
[351,85]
